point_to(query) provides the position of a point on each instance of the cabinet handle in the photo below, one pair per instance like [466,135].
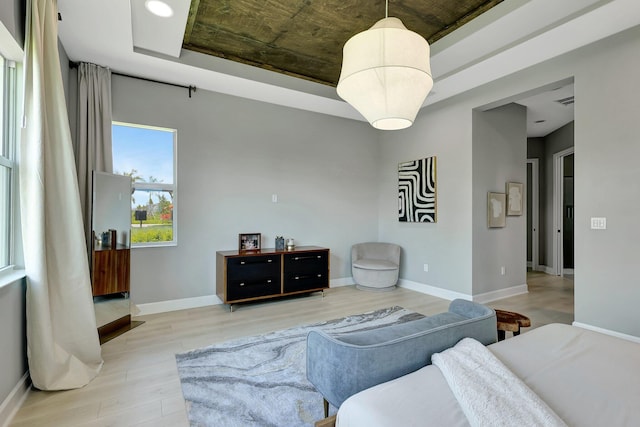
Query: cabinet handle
[300,258]
[269,281]
[244,262]
[242,284]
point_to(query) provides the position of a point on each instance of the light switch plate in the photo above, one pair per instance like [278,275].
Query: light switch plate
[598,223]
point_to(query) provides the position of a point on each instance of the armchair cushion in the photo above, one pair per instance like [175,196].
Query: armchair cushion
[375,264]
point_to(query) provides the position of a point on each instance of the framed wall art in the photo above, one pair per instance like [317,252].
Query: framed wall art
[249,242]
[515,197]
[417,190]
[496,210]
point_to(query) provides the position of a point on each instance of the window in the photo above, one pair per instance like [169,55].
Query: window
[148,155]
[8,109]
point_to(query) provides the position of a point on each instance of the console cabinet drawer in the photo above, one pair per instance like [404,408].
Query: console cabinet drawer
[306,271]
[250,277]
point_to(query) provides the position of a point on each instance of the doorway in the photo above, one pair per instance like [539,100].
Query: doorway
[533,210]
[563,212]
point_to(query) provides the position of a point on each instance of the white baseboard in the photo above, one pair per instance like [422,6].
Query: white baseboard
[607,332]
[14,400]
[548,270]
[204,301]
[207,300]
[567,271]
[174,305]
[501,293]
[432,290]
[530,265]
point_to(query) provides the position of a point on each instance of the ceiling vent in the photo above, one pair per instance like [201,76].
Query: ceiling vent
[565,101]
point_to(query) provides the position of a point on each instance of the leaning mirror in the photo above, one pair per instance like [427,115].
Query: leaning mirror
[110,254]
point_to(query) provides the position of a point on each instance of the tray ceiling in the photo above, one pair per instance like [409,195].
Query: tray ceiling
[304,38]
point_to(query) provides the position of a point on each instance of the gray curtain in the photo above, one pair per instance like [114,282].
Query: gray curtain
[62,339]
[93,147]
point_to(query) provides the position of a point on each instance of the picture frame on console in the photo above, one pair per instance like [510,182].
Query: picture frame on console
[249,242]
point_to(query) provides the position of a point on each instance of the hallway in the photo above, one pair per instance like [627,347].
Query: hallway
[550,300]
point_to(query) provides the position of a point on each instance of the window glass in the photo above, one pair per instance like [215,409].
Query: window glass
[7,141]
[5,216]
[147,155]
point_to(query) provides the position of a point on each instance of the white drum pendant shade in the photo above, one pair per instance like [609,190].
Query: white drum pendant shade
[386,74]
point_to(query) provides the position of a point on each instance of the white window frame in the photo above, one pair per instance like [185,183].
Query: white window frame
[9,130]
[160,186]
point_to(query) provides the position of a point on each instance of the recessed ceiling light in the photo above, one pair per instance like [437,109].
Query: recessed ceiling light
[159,8]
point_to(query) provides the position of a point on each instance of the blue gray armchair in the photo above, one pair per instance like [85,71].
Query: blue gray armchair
[340,366]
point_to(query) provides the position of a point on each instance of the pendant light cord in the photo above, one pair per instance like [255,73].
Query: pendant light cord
[386,10]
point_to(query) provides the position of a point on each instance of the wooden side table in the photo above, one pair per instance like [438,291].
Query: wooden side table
[510,321]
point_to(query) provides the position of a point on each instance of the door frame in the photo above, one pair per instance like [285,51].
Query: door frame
[558,192]
[535,213]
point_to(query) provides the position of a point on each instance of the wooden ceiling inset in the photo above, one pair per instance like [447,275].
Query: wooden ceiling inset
[304,38]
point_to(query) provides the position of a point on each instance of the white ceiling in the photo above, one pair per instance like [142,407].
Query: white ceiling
[512,36]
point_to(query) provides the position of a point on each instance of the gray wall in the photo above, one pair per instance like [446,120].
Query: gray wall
[606,153]
[12,13]
[13,336]
[606,173]
[499,156]
[444,132]
[13,357]
[233,154]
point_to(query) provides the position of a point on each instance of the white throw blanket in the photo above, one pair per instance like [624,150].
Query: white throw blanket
[488,392]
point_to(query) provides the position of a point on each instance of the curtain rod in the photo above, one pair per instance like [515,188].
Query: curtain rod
[190,87]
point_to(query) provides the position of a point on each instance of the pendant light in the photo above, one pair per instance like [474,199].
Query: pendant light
[386,74]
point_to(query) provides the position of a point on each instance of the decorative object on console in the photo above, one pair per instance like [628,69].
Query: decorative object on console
[249,241]
[279,243]
[515,196]
[496,210]
[417,191]
[386,74]
[290,245]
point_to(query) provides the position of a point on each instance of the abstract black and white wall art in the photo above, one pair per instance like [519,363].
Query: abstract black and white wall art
[417,190]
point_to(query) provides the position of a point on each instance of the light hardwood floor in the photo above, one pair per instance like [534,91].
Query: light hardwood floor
[139,385]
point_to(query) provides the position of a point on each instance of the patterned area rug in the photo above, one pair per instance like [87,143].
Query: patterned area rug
[261,380]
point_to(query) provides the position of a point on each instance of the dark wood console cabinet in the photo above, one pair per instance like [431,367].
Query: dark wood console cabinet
[243,276]
[111,268]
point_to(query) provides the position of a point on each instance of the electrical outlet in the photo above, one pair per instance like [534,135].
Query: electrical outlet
[274,198]
[502,270]
[426,267]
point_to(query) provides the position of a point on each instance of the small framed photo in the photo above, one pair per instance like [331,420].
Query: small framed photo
[496,210]
[249,241]
[515,196]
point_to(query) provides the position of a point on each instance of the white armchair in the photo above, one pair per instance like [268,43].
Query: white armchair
[375,265]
